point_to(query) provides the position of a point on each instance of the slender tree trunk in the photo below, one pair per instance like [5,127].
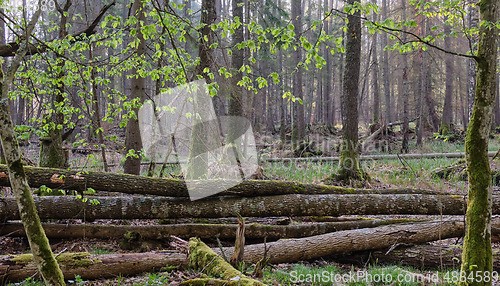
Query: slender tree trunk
[477,252]
[375,85]
[446,121]
[133,140]
[326,73]
[471,69]
[405,93]
[387,89]
[297,79]
[39,244]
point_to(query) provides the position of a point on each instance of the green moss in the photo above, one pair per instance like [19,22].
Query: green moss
[76,260]
[23,258]
[80,259]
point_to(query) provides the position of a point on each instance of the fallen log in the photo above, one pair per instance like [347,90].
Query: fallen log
[15,268]
[221,231]
[383,237]
[376,157]
[419,256]
[67,207]
[19,267]
[132,184]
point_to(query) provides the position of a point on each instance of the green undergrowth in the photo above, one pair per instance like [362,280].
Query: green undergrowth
[300,274]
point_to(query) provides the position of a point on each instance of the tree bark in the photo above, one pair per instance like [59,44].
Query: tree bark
[387,90]
[298,126]
[132,184]
[477,252]
[349,167]
[64,207]
[405,92]
[25,206]
[446,121]
[473,21]
[253,231]
[133,142]
[300,249]
[15,268]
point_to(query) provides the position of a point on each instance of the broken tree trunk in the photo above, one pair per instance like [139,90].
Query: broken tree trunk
[131,184]
[221,231]
[19,267]
[419,256]
[64,207]
[383,237]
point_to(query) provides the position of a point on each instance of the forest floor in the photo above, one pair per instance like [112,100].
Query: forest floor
[415,173]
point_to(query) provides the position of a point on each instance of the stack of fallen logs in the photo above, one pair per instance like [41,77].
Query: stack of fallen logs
[153,198]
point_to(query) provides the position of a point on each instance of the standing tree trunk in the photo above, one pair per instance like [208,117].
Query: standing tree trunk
[349,167]
[52,154]
[477,252]
[326,73]
[471,68]
[133,143]
[375,85]
[298,126]
[404,93]
[236,98]
[39,244]
[387,90]
[446,120]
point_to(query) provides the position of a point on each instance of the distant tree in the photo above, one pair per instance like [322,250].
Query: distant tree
[133,142]
[446,120]
[298,127]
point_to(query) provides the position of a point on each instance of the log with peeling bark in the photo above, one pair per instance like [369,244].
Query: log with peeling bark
[132,184]
[19,267]
[67,207]
[419,256]
[222,231]
[287,250]
[383,237]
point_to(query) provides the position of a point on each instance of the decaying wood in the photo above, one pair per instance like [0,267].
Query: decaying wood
[131,184]
[287,250]
[383,237]
[203,257]
[376,157]
[68,207]
[253,231]
[19,267]
[420,256]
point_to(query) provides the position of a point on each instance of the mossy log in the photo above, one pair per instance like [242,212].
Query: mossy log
[203,257]
[64,207]
[420,256]
[382,237]
[132,184]
[19,267]
[253,231]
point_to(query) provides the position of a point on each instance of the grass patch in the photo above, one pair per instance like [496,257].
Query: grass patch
[300,274]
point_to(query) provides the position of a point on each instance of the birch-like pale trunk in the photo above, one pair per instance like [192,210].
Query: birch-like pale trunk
[39,244]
